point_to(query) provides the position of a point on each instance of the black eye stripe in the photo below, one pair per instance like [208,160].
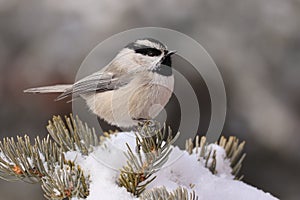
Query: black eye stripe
[148,51]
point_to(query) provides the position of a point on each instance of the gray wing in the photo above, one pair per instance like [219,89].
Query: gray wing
[97,82]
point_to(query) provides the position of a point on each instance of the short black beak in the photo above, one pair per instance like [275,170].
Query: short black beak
[166,60]
[169,53]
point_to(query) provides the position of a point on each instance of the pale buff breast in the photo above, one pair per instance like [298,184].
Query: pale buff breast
[143,98]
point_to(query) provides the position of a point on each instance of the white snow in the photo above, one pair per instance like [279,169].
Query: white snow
[182,169]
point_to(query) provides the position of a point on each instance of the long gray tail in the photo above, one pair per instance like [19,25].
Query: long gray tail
[50,89]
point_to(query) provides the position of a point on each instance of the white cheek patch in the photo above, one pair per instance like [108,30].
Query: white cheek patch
[148,62]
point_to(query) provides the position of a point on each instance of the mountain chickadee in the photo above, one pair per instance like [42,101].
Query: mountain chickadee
[135,86]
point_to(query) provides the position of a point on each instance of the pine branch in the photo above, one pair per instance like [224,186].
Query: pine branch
[21,160]
[44,161]
[162,194]
[73,134]
[66,181]
[150,155]
[232,148]
[234,152]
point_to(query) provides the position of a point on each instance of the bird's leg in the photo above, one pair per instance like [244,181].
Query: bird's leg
[145,122]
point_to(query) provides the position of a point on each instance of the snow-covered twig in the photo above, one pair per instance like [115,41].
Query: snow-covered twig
[150,155]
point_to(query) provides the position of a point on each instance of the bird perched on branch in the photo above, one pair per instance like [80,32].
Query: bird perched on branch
[134,87]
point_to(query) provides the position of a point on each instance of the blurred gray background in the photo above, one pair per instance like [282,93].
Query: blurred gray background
[255,44]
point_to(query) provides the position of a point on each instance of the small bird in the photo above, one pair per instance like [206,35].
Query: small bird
[133,88]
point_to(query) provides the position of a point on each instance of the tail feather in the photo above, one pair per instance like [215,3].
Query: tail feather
[49,89]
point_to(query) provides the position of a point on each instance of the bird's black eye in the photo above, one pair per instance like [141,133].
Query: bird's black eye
[148,51]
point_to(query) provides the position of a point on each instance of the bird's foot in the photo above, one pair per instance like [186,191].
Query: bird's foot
[148,125]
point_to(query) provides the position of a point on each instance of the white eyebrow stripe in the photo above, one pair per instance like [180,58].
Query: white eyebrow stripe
[149,44]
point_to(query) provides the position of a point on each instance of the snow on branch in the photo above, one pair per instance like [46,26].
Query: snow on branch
[73,162]
[232,147]
[162,193]
[151,153]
